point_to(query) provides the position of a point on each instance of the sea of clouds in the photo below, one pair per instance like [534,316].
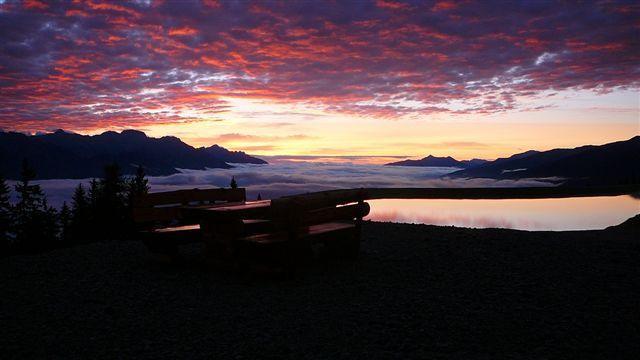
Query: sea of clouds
[294,177]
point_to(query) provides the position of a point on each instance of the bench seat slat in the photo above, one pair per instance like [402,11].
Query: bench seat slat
[183,229]
[175,229]
[319,229]
[255,221]
[166,240]
[310,231]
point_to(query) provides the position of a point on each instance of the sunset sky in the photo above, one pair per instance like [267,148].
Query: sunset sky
[467,79]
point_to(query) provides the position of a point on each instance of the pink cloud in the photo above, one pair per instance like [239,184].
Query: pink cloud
[92,64]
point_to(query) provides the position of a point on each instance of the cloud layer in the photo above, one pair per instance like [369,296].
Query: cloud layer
[289,177]
[87,65]
[295,177]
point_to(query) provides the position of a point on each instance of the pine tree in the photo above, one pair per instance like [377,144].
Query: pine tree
[6,217]
[111,212]
[94,194]
[29,196]
[112,185]
[233,184]
[35,221]
[80,216]
[65,224]
[50,231]
[79,202]
[259,197]
[138,185]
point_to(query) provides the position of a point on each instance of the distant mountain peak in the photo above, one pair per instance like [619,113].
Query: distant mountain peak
[132,133]
[434,161]
[232,156]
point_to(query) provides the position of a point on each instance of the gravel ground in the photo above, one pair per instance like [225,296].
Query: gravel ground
[417,291]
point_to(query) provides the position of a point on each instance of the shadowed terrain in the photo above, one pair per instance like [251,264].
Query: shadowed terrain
[419,291]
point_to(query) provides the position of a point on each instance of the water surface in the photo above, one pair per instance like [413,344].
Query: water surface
[584,213]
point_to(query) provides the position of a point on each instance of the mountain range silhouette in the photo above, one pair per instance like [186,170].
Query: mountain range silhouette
[609,164]
[616,163]
[434,161]
[64,154]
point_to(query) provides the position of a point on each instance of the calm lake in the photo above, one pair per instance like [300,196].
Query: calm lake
[524,214]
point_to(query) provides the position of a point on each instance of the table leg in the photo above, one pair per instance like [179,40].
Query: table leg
[219,240]
[211,248]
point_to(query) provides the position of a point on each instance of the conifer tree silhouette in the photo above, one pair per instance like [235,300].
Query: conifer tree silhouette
[6,217]
[35,220]
[64,219]
[80,215]
[110,211]
[138,185]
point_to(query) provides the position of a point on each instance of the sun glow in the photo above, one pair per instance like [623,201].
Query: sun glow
[263,126]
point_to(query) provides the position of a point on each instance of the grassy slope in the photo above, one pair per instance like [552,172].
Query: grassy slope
[417,291]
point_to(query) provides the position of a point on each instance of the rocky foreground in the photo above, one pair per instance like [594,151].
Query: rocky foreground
[416,292]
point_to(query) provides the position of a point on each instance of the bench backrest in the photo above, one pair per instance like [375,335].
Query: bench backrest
[298,211]
[165,206]
[322,199]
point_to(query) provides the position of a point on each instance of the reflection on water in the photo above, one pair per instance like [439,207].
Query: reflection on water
[531,214]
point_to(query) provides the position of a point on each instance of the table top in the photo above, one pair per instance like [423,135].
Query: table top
[235,209]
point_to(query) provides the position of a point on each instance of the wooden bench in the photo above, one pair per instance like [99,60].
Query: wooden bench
[299,223]
[160,219]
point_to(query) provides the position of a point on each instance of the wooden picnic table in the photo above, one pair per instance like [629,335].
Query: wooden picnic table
[222,223]
[283,231]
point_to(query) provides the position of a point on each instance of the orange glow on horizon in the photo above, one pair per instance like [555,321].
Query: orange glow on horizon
[267,128]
